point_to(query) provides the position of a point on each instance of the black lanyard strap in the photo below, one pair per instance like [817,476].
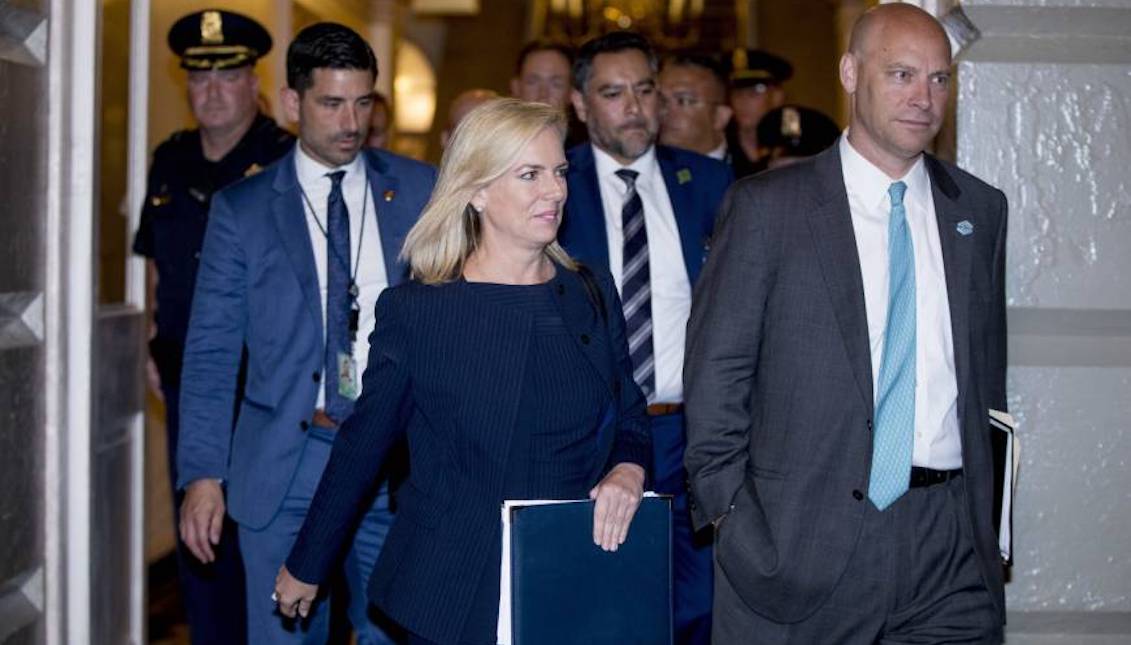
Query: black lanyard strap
[353,289]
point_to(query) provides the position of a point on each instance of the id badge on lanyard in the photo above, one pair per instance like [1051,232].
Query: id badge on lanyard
[348,384]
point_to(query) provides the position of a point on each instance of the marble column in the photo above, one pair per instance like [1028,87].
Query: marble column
[1044,112]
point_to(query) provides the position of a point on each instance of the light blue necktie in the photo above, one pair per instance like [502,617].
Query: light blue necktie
[895,406]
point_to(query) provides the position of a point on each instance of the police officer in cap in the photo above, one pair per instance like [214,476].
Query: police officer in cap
[792,132]
[756,79]
[219,49]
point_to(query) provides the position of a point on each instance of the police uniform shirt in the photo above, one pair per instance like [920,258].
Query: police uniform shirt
[175,215]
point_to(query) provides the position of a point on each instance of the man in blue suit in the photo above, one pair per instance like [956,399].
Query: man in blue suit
[292,264]
[646,212]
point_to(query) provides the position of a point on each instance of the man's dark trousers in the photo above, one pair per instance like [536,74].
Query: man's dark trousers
[913,578]
[213,594]
[692,565]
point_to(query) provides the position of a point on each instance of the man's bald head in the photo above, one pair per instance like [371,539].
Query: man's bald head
[870,27]
[462,104]
[897,73]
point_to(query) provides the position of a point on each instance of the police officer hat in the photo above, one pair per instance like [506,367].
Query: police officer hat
[796,131]
[218,39]
[750,67]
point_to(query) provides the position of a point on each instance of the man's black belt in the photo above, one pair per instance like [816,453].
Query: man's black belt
[921,477]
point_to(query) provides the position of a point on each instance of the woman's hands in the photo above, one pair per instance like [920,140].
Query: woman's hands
[618,496]
[293,595]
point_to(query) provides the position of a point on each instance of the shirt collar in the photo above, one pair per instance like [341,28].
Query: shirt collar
[645,164]
[867,182]
[720,152]
[310,171]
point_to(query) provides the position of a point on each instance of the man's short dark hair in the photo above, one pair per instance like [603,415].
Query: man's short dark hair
[610,43]
[542,45]
[699,59]
[326,45]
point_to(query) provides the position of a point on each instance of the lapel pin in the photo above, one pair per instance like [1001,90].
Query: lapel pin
[683,175]
[389,194]
[964,227]
[253,169]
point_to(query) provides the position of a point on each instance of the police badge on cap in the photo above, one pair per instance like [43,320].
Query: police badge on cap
[796,131]
[217,39]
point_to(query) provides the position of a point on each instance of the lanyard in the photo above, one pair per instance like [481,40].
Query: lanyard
[355,306]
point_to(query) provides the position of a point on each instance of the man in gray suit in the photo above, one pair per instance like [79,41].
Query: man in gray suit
[846,340]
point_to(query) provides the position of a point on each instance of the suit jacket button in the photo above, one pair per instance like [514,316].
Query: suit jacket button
[561,289]
[585,339]
[304,425]
[857,495]
[317,376]
[869,424]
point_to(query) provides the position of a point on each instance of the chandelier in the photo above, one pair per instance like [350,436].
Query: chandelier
[668,24]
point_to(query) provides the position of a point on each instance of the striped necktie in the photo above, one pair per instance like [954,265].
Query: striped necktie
[636,290]
[893,441]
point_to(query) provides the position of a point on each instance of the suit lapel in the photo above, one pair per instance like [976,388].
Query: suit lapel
[956,252]
[586,213]
[290,222]
[393,220]
[830,222]
[683,206]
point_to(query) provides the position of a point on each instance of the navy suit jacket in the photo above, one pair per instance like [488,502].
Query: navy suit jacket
[695,183]
[257,287]
[446,370]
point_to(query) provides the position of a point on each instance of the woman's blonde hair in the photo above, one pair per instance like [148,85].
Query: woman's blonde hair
[484,146]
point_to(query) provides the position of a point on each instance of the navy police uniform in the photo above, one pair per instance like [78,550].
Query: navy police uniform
[171,233]
[181,184]
[751,68]
[793,132]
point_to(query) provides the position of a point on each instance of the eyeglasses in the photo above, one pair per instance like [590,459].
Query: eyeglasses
[685,101]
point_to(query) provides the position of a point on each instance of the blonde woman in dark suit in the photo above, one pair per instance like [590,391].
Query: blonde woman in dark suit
[507,372]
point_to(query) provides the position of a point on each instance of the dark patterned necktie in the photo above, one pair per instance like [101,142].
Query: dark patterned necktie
[636,290]
[337,406]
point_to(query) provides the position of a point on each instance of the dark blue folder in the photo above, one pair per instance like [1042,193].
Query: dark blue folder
[565,589]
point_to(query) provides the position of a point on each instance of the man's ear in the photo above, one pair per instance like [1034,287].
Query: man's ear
[578,101]
[848,69]
[290,100]
[723,112]
[515,86]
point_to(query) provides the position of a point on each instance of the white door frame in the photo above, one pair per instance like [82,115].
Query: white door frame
[72,141]
[136,291]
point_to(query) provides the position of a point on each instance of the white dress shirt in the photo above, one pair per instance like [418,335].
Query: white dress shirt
[938,442]
[720,152]
[671,288]
[371,277]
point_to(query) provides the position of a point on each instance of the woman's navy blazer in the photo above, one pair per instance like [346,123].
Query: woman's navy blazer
[446,370]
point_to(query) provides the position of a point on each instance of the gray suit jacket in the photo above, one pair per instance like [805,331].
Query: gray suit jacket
[778,382]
